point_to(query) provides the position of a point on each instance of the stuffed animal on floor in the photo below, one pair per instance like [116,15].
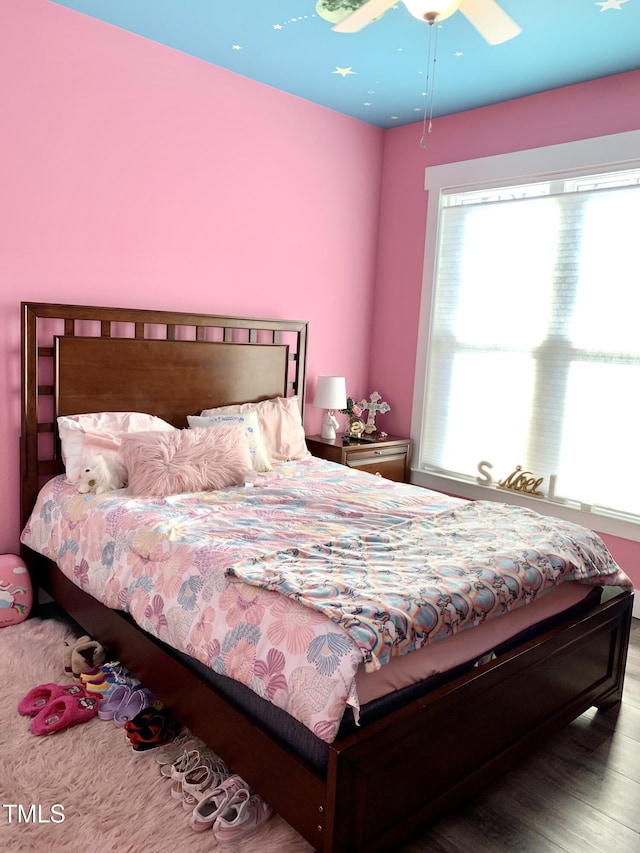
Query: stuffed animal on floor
[16,593]
[82,654]
[99,474]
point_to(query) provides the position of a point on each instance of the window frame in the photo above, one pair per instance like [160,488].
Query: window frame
[596,156]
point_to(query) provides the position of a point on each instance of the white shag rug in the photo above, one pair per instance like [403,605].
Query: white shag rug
[84,789]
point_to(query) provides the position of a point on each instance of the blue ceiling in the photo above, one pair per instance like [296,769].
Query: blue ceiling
[382,73]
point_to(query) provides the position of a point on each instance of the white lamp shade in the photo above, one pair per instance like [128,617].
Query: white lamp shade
[331,393]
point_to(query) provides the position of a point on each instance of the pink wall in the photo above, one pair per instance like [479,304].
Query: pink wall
[134,175]
[597,108]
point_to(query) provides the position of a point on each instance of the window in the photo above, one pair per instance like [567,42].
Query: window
[532,338]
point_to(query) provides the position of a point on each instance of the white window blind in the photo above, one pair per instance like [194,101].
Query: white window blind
[534,343]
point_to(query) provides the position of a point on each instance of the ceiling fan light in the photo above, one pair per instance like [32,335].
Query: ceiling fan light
[431,10]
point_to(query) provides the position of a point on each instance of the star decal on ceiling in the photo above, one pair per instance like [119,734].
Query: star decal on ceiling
[236,47]
[343,71]
[298,20]
[611,4]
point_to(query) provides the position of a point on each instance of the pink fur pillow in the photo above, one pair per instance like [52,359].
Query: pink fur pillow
[185,460]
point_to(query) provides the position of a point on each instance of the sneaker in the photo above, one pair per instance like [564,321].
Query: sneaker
[206,812]
[116,673]
[95,674]
[156,711]
[100,688]
[243,813]
[158,731]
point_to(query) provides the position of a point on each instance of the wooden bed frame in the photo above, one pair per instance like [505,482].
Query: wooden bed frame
[386,781]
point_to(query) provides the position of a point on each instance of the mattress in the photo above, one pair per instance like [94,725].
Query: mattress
[467,646]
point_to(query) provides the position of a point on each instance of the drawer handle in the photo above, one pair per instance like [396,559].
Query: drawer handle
[377,453]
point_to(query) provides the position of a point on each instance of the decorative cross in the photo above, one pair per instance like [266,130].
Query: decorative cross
[374,407]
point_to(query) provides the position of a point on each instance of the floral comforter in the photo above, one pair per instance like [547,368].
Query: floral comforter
[244,579]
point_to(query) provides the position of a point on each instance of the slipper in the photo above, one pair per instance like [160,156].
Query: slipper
[39,696]
[82,654]
[62,712]
[139,700]
[86,654]
[124,703]
[111,703]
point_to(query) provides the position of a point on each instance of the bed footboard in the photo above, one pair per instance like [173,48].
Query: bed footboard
[449,745]
[446,746]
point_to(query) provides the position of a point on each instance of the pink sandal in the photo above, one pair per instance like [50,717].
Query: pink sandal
[64,711]
[36,699]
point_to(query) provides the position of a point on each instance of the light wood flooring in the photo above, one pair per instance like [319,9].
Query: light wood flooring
[580,793]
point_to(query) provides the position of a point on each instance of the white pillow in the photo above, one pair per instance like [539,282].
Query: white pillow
[249,420]
[280,423]
[100,432]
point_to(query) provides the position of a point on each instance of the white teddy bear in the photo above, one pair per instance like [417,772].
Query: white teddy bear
[99,474]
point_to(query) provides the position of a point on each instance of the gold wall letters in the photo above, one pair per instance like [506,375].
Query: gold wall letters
[522,481]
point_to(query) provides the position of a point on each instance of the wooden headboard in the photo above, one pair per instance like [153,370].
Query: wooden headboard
[79,359]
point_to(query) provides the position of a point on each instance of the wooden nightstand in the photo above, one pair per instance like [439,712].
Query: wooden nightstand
[388,457]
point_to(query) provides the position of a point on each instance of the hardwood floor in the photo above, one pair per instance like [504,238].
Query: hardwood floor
[579,794]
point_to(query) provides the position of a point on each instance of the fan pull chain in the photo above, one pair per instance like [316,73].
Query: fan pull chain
[430,85]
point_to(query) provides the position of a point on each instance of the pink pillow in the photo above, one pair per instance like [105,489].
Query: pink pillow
[99,432]
[185,460]
[280,424]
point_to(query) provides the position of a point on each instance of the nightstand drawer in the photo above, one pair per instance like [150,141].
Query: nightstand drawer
[388,462]
[388,457]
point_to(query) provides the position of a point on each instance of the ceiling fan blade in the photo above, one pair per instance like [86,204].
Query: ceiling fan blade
[362,16]
[490,19]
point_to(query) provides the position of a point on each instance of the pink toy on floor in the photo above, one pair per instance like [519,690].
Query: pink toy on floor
[16,593]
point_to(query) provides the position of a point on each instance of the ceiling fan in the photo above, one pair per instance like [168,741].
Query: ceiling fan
[490,19]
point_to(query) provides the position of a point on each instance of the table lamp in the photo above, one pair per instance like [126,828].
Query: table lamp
[331,394]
